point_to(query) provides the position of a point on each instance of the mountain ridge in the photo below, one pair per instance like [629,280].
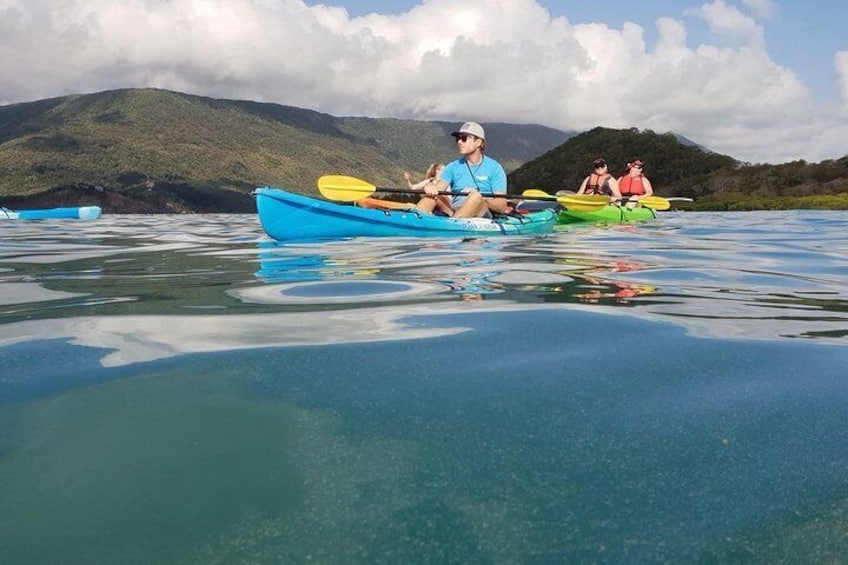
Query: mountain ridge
[146,150]
[137,150]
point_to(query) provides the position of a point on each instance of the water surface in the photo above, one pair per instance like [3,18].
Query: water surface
[181,389]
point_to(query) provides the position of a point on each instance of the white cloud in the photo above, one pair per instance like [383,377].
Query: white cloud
[726,20]
[507,60]
[761,8]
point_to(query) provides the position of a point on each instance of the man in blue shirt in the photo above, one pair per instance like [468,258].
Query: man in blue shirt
[480,179]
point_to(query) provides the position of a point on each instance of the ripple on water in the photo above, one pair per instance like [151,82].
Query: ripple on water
[335,292]
[25,293]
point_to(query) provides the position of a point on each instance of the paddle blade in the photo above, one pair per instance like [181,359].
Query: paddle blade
[578,202]
[536,193]
[584,202]
[344,189]
[655,202]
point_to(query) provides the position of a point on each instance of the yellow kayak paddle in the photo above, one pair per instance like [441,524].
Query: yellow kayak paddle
[349,189]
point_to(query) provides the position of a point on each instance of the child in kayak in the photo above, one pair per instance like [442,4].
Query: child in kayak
[431,177]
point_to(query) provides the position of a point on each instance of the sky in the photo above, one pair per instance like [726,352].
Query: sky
[764,81]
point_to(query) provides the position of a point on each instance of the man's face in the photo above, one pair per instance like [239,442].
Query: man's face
[466,143]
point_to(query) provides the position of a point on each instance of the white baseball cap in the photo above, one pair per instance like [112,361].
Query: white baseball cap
[472,128]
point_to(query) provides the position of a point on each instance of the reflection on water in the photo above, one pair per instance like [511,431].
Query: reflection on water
[716,274]
[217,284]
[334,292]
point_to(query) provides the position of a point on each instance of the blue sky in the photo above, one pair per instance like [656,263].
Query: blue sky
[760,80]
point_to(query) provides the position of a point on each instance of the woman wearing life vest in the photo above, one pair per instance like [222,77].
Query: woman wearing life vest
[633,184]
[600,181]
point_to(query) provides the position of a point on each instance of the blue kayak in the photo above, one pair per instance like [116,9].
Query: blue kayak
[74,213]
[287,216]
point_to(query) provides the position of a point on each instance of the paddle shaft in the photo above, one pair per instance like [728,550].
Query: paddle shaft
[455,193]
[657,197]
[349,189]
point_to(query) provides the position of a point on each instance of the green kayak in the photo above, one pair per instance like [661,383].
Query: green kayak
[611,214]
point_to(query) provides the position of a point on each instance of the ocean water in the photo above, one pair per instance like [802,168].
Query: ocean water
[181,389]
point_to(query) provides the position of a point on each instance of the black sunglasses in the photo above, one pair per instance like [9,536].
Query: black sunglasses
[464,137]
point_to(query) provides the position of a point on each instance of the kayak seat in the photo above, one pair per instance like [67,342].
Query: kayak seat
[384,204]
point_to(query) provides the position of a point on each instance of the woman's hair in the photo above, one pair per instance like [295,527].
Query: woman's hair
[431,170]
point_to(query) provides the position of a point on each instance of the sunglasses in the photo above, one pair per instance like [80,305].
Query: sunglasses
[464,137]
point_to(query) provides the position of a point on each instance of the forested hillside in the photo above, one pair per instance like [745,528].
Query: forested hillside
[149,150]
[668,161]
[716,182]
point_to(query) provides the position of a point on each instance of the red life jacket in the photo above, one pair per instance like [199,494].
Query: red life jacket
[631,185]
[598,184]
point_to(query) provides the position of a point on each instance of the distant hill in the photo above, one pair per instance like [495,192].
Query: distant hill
[667,160]
[150,150]
[687,141]
[678,166]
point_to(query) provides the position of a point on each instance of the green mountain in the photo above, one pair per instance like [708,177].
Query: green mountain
[682,168]
[667,160]
[150,150]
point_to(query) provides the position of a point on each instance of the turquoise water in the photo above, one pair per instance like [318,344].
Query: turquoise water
[180,389]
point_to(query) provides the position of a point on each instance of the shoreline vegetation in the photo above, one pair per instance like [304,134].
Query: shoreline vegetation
[158,151]
[744,203]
